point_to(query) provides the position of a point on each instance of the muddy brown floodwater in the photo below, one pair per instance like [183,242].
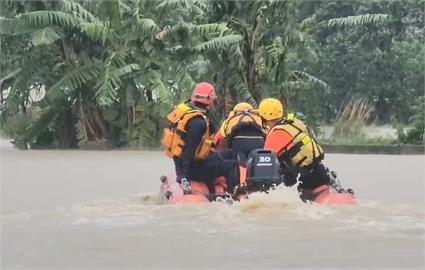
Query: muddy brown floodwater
[96,209]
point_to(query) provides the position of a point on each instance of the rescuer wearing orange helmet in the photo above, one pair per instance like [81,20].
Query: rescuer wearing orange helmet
[188,140]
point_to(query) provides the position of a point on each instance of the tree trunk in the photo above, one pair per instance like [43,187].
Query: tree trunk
[251,74]
[99,121]
[228,100]
[67,138]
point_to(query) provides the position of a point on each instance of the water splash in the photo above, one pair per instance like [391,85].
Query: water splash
[278,207]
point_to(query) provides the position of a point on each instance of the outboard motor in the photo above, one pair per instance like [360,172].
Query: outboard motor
[262,171]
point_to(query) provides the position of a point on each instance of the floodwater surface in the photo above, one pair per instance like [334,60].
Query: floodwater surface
[99,209]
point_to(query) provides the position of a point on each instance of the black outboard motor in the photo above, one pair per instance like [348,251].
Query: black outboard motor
[262,171]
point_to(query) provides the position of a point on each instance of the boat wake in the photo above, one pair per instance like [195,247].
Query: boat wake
[281,207]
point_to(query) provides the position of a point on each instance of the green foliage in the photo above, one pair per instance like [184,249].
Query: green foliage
[16,127]
[219,42]
[46,18]
[45,36]
[113,69]
[415,133]
[77,9]
[145,26]
[358,20]
[98,31]
[73,80]
[382,62]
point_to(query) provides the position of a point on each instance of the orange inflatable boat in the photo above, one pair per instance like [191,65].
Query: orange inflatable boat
[259,174]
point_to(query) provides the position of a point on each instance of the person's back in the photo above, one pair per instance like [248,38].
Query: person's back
[196,129]
[188,141]
[299,154]
[246,137]
[241,132]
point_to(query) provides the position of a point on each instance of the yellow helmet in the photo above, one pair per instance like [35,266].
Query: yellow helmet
[242,106]
[271,109]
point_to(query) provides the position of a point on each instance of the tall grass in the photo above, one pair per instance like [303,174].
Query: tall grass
[352,118]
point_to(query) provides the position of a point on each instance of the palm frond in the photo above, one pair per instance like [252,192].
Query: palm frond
[47,18]
[201,66]
[196,7]
[108,83]
[237,83]
[276,49]
[203,29]
[358,20]
[200,5]
[10,75]
[125,8]
[161,91]
[14,26]
[42,119]
[180,26]
[45,36]
[75,8]
[127,69]
[290,87]
[107,87]
[310,78]
[183,78]
[99,31]
[114,10]
[145,27]
[143,132]
[308,23]
[219,43]
[73,80]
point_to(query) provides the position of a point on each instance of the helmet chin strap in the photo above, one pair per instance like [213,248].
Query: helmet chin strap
[203,107]
[271,123]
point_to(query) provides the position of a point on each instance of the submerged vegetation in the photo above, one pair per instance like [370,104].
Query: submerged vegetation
[80,71]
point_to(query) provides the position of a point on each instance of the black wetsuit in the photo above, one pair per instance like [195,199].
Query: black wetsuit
[242,141]
[313,176]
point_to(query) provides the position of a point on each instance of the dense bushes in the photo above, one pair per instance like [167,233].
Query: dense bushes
[112,69]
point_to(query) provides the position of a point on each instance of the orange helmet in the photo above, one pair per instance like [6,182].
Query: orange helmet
[204,93]
[242,106]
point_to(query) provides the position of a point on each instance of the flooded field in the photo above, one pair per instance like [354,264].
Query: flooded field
[87,209]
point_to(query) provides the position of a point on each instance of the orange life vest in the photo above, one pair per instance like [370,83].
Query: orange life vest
[241,118]
[303,150]
[173,138]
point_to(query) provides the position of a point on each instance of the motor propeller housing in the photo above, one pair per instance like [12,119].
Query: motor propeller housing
[262,171]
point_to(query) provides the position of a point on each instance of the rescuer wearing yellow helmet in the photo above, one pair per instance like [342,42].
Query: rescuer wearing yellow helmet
[299,153]
[238,135]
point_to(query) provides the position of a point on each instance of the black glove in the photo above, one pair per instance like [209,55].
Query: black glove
[185,184]
[289,178]
[351,192]
[240,190]
[290,174]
